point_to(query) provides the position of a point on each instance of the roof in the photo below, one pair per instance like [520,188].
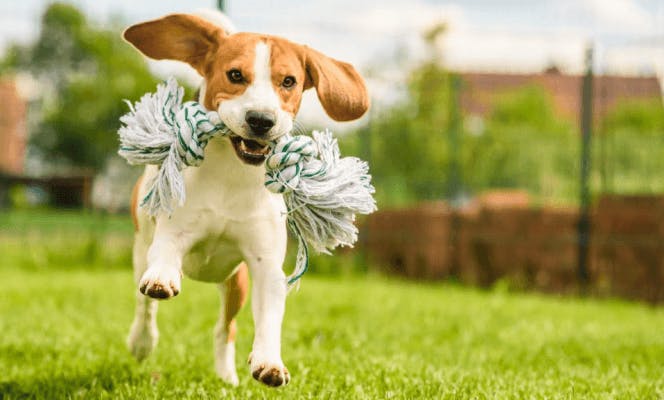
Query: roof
[481,90]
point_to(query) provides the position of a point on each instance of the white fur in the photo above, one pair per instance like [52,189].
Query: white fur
[217,18]
[259,96]
[228,217]
[224,350]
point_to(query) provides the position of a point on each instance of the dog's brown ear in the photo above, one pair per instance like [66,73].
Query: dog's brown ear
[340,88]
[176,37]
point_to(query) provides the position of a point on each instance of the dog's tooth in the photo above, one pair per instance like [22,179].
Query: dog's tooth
[243,146]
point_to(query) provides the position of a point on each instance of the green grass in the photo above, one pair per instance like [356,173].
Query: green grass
[63,323]
[63,337]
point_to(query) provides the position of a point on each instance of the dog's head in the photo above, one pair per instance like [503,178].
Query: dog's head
[254,81]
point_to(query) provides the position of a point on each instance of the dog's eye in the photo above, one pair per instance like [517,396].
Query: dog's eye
[288,82]
[235,76]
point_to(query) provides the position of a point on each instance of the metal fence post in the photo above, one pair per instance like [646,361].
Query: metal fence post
[455,185]
[454,140]
[584,192]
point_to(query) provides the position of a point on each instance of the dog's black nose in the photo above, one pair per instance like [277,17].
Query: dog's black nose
[260,122]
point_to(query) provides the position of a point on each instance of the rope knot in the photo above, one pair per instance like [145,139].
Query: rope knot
[291,158]
[161,130]
[194,128]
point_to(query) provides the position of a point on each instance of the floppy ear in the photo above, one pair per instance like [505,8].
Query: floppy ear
[340,88]
[176,37]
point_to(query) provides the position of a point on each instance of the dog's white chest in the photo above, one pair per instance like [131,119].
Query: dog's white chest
[226,210]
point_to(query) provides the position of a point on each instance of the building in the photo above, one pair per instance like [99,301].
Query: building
[72,190]
[480,91]
[13,129]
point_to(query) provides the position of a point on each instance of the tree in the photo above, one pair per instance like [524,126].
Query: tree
[84,72]
[522,144]
[407,141]
[630,147]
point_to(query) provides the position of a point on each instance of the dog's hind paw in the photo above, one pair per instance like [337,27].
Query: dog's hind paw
[142,339]
[160,284]
[229,377]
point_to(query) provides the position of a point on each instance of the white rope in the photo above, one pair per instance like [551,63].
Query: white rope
[323,191]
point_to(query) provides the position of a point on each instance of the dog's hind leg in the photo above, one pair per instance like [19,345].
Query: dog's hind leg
[143,334]
[234,294]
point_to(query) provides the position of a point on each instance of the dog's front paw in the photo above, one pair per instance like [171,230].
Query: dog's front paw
[160,283]
[272,373]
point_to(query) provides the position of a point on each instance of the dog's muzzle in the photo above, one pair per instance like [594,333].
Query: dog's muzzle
[250,151]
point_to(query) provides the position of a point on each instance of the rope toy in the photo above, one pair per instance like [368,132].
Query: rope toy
[323,191]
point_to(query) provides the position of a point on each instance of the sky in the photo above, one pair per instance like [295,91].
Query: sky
[383,37]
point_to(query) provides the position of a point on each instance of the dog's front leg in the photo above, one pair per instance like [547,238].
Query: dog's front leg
[268,303]
[162,278]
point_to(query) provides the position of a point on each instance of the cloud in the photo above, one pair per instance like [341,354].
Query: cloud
[625,16]
[636,59]
[398,18]
[18,22]
[513,52]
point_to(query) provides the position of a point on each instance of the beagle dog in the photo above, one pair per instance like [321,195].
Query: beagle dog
[231,226]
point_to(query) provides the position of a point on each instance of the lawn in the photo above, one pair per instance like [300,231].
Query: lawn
[63,327]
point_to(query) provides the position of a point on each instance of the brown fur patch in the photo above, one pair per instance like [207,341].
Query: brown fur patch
[287,59]
[177,37]
[340,88]
[237,289]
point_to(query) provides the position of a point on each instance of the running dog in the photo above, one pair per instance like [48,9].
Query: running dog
[231,225]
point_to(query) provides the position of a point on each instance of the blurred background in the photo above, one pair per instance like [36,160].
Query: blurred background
[509,144]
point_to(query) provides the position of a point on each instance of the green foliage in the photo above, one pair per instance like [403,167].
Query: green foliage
[520,144]
[407,147]
[523,146]
[417,153]
[643,118]
[629,150]
[85,72]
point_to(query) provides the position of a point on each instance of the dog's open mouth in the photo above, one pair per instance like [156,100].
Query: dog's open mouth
[250,151]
